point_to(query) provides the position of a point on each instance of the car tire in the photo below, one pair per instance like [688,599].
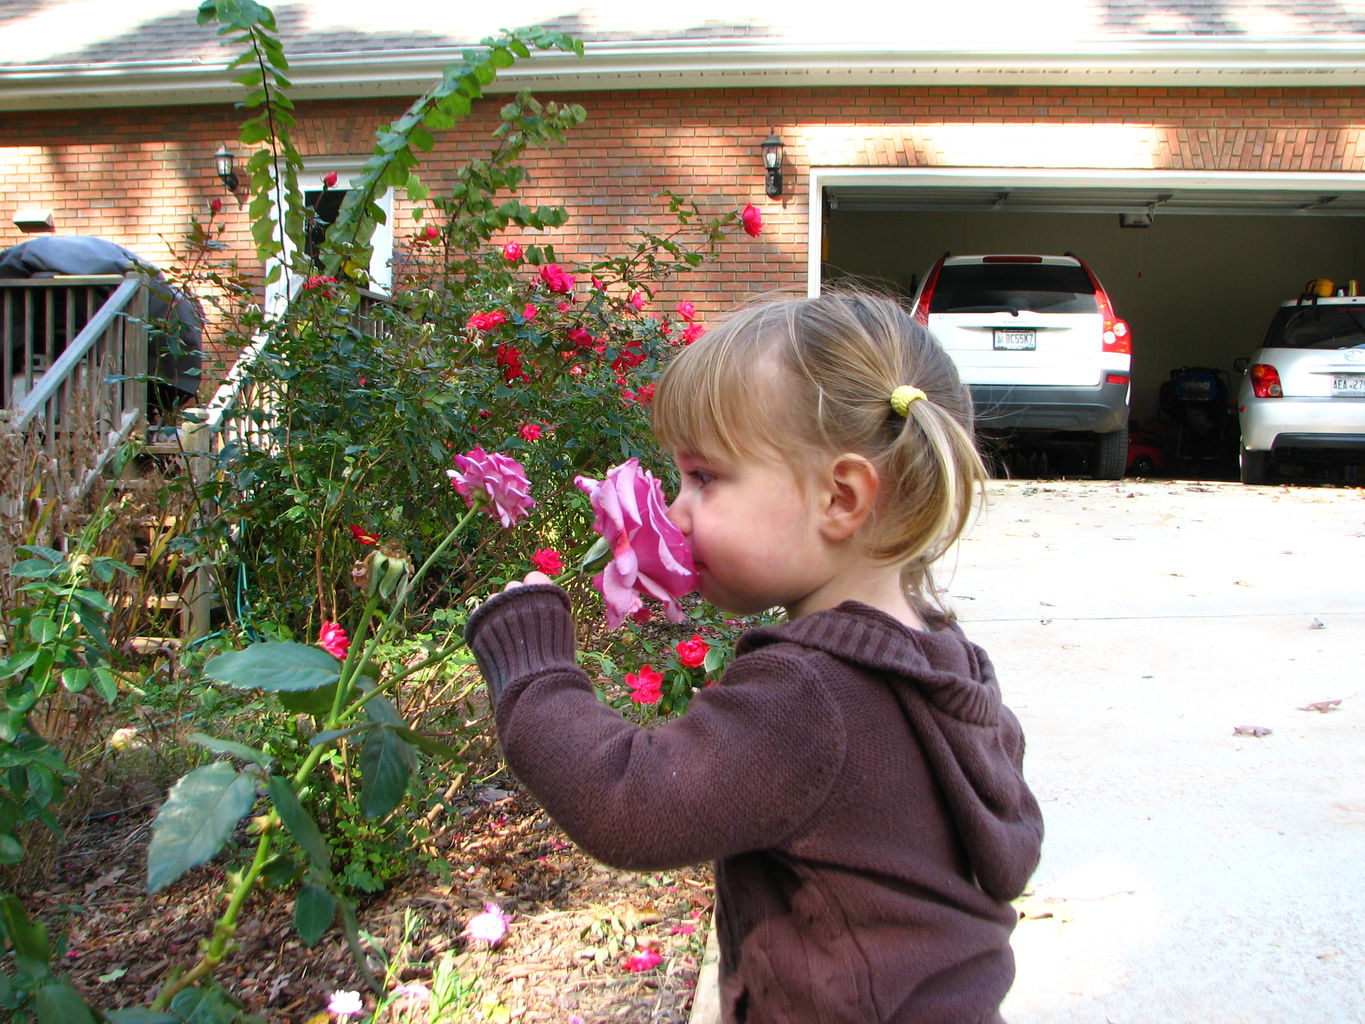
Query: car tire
[1111,455]
[1255,466]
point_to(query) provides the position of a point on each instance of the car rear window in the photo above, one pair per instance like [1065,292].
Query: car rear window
[994,287]
[1312,326]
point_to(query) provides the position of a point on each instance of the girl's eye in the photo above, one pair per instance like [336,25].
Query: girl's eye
[701,476]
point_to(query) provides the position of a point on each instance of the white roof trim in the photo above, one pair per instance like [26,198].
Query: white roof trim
[1243,62]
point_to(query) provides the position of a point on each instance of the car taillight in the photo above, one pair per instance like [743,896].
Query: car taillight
[1265,381]
[1116,337]
[927,293]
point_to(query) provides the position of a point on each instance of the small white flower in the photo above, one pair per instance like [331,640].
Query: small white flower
[414,991]
[490,926]
[345,1004]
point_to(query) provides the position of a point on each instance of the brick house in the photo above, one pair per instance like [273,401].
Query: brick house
[1205,159]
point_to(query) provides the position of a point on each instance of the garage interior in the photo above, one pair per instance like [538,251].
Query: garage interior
[1197,273]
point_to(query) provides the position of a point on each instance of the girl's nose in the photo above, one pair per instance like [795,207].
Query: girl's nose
[678,517]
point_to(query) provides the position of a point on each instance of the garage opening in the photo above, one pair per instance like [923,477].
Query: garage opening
[1197,264]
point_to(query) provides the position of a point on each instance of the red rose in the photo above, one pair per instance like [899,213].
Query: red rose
[529,431]
[364,536]
[329,179]
[687,311]
[580,336]
[548,561]
[487,321]
[598,283]
[637,299]
[646,686]
[529,313]
[509,360]
[752,220]
[557,279]
[693,332]
[216,205]
[692,653]
[432,232]
[511,252]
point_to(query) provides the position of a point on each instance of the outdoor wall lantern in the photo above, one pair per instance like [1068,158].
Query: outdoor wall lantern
[222,163]
[772,164]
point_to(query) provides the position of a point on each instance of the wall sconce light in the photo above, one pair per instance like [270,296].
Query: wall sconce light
[772,164]
[222,163]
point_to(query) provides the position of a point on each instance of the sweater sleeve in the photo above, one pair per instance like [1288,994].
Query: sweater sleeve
[745,767]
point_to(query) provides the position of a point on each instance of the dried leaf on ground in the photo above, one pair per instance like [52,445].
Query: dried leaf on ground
[1250,730]
[1322,705]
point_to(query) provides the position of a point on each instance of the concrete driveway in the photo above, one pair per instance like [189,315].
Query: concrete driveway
[1190,874]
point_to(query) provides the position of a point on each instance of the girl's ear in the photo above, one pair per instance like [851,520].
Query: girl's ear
[853,485]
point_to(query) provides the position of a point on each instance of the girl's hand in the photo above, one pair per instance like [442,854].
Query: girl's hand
[531,577]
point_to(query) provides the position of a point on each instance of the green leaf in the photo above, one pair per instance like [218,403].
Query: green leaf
[386,763]
[11,850]
[33,568]
[299,823]
[140,1015]
[275,666]
[204,1006]
[316,703]
[314,911]
[233,749]
[28,938]
[430,745]
[196,820]
[56,1001]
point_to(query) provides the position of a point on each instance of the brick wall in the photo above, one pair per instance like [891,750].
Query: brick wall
[136,177]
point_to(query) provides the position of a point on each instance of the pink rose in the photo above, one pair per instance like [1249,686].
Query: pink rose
[529,313]
[637,299]
[752,220]
[692,653]
[332,638]
[649,555]
[487,321]
[511,252]
[549,561]
[432,232]
[557,279]
[329,179]
[642,960]
[687,311]
[646,686]
[496,479]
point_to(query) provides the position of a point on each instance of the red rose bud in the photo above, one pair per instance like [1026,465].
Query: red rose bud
[329,179]
[752,220]
[216,205]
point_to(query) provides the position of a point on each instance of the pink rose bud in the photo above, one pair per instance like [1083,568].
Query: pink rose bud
[511,252]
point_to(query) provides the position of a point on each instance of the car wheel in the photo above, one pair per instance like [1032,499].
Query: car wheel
[1254,466]
[1111,455]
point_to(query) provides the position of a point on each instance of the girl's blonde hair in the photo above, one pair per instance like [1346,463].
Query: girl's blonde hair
[802,379]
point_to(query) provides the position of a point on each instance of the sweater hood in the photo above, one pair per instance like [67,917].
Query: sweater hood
[947,689]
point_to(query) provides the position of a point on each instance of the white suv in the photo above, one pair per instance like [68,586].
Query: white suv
[1037,341]
[1303,396]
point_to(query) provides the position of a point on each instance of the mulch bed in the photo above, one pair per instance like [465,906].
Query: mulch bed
[572,923]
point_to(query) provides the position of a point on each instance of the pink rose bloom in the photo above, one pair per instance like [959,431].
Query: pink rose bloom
[487,321]
[752,221]
[496,479]
[529,313]
[637,299]
[511,252]
[693,332]
[548,561]
[649,555]
[692,653]
[642,960]
[646,686]
[557,279]
[345,1004]
[490,926]
[332,638]
[687,311]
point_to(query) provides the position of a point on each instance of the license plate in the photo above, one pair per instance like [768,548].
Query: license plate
[1349,384]
[1015,339]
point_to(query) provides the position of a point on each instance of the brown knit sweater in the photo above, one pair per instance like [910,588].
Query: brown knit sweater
[858,785]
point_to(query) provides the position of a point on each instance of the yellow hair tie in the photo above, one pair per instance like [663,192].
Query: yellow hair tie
[903,396]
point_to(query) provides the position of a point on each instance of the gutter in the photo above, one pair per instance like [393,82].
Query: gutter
[1180,62]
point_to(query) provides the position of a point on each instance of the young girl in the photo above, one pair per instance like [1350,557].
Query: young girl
[855,776]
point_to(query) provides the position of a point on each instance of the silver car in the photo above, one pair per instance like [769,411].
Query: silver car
[1302,398]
